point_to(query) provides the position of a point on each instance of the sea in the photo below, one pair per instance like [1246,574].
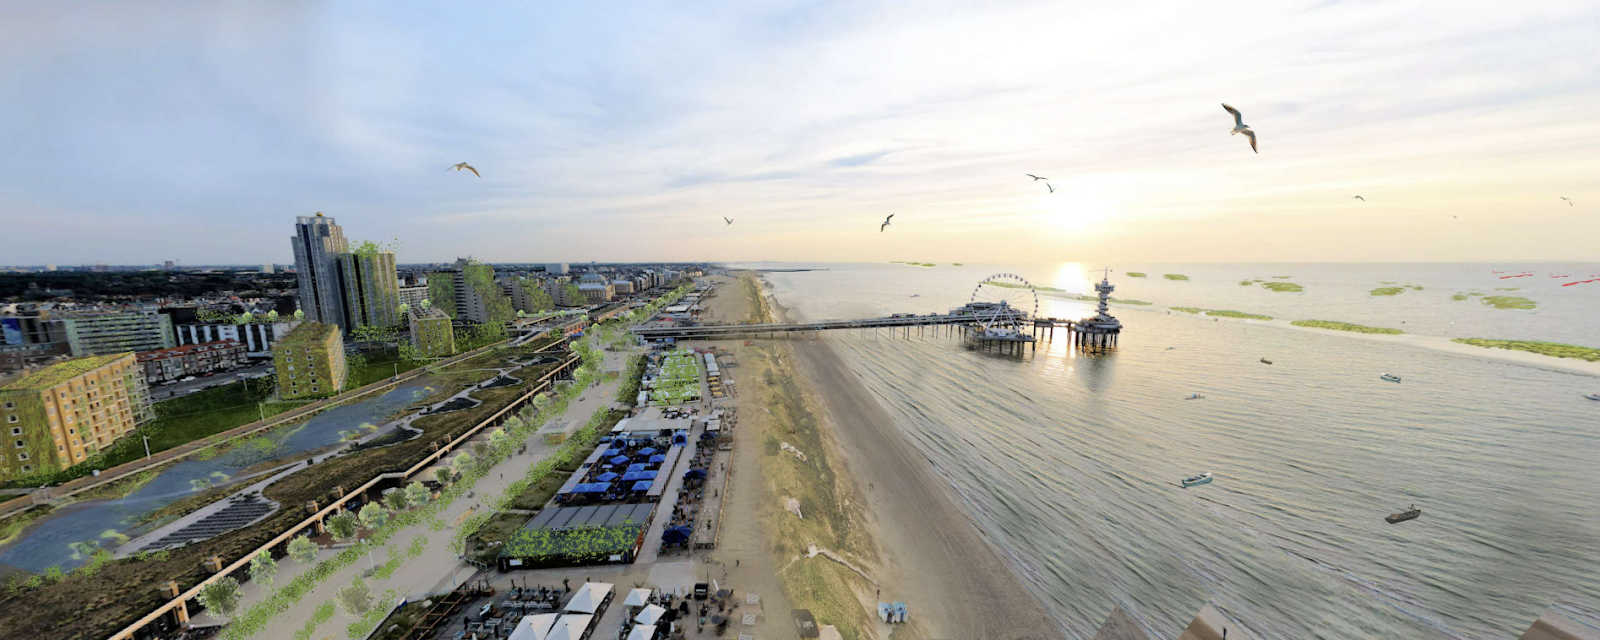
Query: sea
[1069,462]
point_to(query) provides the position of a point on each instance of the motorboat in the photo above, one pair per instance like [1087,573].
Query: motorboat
[1195,397]
[916,295]
[1593,396]
[1196,480]
[1265,361]
[1412,514]
[1390,377]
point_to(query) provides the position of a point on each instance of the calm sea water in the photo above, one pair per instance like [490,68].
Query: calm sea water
[1069,462]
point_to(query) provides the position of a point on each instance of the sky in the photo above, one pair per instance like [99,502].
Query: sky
[141,132]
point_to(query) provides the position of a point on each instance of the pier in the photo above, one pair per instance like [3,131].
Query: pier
[999,327]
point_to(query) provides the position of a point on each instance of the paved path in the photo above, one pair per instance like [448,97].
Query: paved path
[436,569]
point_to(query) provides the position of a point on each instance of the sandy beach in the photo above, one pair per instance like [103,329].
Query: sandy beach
[899,533]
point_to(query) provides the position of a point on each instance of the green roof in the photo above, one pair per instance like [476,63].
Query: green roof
[309,332]
[56,374]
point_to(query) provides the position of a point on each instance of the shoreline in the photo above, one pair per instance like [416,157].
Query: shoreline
[930,552]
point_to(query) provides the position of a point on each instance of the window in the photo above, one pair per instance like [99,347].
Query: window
[11,405]
[22,456]
[27,468]
[12,419]
[21,444]
[16,431]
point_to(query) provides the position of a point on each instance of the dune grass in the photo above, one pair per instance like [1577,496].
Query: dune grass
[1345,326]
[1175,276]
[1554,349]
[1187,309]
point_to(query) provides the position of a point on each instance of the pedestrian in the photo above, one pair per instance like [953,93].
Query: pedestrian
[735,562]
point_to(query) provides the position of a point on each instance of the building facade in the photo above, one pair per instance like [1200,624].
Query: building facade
[622,287]
[563,295]
[101,333]
[318,241]
[63,414]
[413,296]
[170,365]
[431,332]
[257,338]
[555,268]
[371,290]
[310,362]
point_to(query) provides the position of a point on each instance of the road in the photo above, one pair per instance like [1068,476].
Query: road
[437,569]
[167,392]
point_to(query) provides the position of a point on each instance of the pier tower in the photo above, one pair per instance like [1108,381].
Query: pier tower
[1100,331]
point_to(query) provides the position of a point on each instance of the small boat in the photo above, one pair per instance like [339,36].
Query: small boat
[1265,361]
[1199,479]
[1390,377]
[1593,396]
[1195,397]
[916,295]
[1412,514]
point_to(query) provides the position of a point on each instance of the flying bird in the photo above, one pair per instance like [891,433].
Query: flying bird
[726,218]
[466,166]
[1240,127]
[1052,187]
[1359,198]
[885,223]
[1569,200]
[1036,178]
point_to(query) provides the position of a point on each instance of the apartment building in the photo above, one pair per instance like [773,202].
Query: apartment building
[61,415]
[310,362]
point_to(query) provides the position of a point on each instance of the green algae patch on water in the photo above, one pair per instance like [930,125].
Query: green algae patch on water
[1245,283]
[1554,349]
[1187,309]
[1387,291]
[1345,326]
[1282,277]
[1175,276]
[1510,302]
[957,264]
[1508,288]
[1459,297]
[1282,287]
[1135,274]
[1237,314]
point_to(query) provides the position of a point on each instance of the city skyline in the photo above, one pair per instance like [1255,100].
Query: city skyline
[627,135]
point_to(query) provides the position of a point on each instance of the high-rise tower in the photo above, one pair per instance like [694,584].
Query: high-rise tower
[318,241]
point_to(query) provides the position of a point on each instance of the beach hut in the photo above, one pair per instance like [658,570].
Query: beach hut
[591,597]
[899,611]
[642,632]
[637,598]
[571,627]
[535,627]
[885,612]
[649,615]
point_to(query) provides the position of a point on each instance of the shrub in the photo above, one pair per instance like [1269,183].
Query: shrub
[374,516]
[416,493]
[302,549]
[221,597]
[343,526]
[355,599]
[263,569]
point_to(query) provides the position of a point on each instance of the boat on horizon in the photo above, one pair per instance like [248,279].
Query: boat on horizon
[1197,480]
[1390,377]
[1593,396]
[1411,514]
[1265,361]
[1195,397]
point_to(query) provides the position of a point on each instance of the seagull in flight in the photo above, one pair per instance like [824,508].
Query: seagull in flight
[1052,187]
[726,218]
[1569,200]
[1037,178]
[885,223]
[1359,198]
[1240,127]
[466,166]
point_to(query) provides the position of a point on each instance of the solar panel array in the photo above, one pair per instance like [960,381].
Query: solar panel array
[241,510]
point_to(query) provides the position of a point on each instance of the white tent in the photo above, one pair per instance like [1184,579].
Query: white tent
[589,597]
[534,627]
[649,615]
[570,627]
[642,632]
[637,598]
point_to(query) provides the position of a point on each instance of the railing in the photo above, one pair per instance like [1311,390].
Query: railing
[709,330]
[543,383]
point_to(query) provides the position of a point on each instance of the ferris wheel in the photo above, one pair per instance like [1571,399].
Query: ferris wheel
[1002,301]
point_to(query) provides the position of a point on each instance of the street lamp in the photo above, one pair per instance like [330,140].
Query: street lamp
[146,446]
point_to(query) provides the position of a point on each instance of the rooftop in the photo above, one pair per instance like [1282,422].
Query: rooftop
[58,373]
[308,333]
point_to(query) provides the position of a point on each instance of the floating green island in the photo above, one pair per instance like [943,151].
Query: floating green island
[1459,297]
[1237,314]
[1135,274]
[1509,302]
[1187,309]
[1282,277]
[1387,291]
[1282,287]
[1475,293]
[1085,298]
[1508,288]
[957,264]
[1175,276]
[1344,326]
[1246,283]
[1555,349]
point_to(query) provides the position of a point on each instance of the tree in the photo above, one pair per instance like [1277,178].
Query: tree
[355,599]
[272,316]
[426,304]
[574,295]
[443,475]
[404,308]
[221,597]
[480,451]
[461,461]
[299,314]
[343,526]
[263,569]
[416,493]
[397,500]
[374,515]
[303,550]
[499,438]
